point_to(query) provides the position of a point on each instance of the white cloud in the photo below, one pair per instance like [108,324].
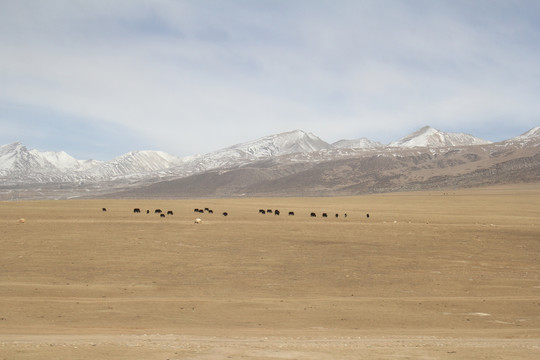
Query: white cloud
[196,76]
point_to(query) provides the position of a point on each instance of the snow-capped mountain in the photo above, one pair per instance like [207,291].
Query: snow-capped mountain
[296,141]
[430,137]
[60,160]
[17,164]
[530,137]
[336,172]
[362,143]
[134,164]
[22,167]
[282,144]
[15,157]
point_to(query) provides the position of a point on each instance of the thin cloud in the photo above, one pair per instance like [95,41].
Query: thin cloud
[192,77]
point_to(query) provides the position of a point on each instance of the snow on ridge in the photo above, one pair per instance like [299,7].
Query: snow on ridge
[148,159]
[296,141]
[138,163]
[59,160]
[281,144]
[9,154]
[430,137]
[529,137]
[362,143]
[16,156]
[531,134]
[20,165]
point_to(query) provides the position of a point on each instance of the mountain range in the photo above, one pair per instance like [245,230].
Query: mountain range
[294,163]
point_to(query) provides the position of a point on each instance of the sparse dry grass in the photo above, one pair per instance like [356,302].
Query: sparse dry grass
[432,274]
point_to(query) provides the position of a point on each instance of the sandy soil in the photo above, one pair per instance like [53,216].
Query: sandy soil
[431,275]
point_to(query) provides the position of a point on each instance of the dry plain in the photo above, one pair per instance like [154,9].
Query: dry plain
[429,275]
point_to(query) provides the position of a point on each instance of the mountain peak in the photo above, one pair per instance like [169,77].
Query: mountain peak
[14,146]
[282,144]
[533,133]
[528,137]
[430,137]
[427,129]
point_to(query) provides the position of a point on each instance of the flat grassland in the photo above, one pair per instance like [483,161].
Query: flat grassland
[431,275]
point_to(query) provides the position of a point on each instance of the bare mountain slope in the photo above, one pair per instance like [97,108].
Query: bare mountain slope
[369,172]
[409,171]
[287,164]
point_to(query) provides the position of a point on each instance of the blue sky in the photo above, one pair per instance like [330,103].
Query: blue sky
[100,78]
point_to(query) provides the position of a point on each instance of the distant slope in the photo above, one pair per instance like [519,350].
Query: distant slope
[294,163]
[375,172]
[20,165]
[430,137]
[135,164]
[528,138]
[362,143]
[296,141]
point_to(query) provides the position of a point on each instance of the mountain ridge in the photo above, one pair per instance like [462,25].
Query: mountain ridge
[430,137]
[271,157]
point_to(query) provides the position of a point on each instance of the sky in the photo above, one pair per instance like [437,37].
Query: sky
[100,78]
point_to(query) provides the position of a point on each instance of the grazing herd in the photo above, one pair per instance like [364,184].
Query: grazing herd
[206,210]
[291,213]
[170,212]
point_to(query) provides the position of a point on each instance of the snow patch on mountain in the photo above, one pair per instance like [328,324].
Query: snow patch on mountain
[362,143]
[281,144]
[242,154]
[430,137]
[61,160]
[533,134]
[9,155]
[18,165]
[135,163]
[528,138]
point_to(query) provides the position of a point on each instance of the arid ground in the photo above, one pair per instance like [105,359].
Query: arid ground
[429,275]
